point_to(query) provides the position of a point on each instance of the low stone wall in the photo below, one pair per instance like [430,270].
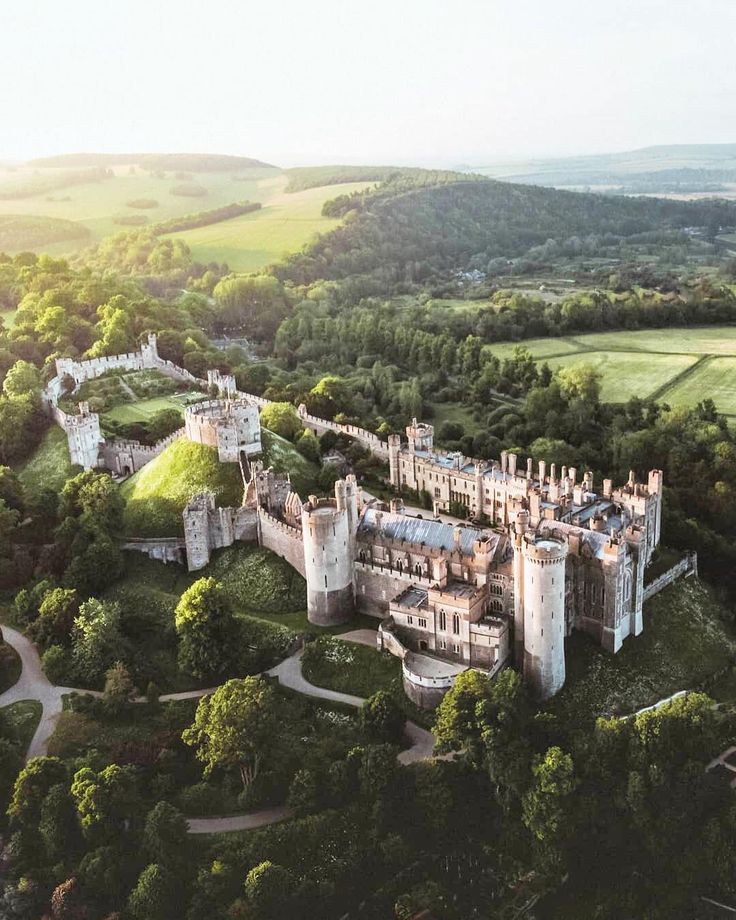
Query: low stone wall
[367,438]
[165,549]
[686,567]
[281,539]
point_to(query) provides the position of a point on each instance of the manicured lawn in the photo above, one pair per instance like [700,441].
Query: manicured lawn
[285,223]
[349,667]
[142,410]
[24,717]
[49,467]
[687,638]
[157,494]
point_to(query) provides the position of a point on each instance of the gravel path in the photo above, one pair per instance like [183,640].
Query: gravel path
[34,685]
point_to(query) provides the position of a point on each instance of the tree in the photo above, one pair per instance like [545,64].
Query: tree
[457,725]
[381,718]
[237,726]
[95,496]
[155,895]
[56,616]
[119,688]
[67,902]
[11,763]
[32,785]
[23,379]
[165,835]
[545,806]
[11,489]
[268,890]
[58,825]
[206,629]
[107,801]
[282,419]
[96,638]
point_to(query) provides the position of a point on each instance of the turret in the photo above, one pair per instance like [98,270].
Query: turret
[420,436]
[540,595]
[328,558]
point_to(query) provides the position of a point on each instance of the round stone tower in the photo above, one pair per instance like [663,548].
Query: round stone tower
[543,562]
[328,558]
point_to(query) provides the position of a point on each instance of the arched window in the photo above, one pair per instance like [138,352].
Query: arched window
[497,606]
[418,569]
[456,624]
[443,621]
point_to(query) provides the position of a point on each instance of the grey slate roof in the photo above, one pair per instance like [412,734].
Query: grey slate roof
[433,534]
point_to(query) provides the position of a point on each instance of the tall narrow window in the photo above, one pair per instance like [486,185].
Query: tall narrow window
[455,623]
[443,621]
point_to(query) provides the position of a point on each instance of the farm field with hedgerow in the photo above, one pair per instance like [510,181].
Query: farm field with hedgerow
[678,366]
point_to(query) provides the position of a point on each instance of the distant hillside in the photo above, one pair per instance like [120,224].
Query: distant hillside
[188,162]
[673,168]
[402,234]
[28,231]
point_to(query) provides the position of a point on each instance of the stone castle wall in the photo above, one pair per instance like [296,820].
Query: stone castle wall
[283,540]
[127,457]
[687,566]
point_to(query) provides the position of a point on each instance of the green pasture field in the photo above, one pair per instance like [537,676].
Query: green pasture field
[285,223]
[96,204]
[714,378]
[679,366]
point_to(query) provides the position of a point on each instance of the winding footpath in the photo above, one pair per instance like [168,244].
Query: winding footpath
[34,685]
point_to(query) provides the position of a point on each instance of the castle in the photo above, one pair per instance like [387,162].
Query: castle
[545,554]
[548,555]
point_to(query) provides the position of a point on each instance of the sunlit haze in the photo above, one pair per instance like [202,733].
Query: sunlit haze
[420,81]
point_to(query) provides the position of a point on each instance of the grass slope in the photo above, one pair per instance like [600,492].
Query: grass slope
[285,223]
[33,231]
[688,638]
[49,467]
[156,495]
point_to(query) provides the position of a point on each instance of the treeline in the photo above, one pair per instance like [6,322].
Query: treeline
[404,235]
[204,218]
[304,177]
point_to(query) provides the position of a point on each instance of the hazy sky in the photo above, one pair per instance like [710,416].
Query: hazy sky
[426,81]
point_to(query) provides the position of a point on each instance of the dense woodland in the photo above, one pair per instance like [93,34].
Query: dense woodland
[532,804]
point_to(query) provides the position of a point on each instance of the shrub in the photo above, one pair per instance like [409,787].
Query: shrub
[57,664]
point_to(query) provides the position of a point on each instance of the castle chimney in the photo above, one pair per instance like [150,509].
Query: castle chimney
[529,473]
[456,534]
[512,464]
[564,473]
[542,472]
[573,474]
[632,479]
[607,488]
[552,472]
[589,480]
[504,460]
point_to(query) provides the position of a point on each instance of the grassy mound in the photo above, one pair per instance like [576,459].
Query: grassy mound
[156,495]
[688,639]
[50,466]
